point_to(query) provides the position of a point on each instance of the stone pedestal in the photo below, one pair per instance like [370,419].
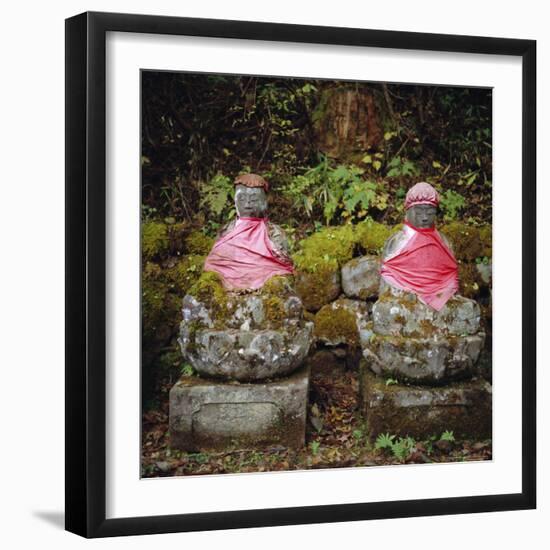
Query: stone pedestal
[465,408]
[212,415]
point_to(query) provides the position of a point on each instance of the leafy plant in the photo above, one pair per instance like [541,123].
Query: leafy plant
[400,166]
[401,447]
[187,370]
[391,381]
[336,191]
[384,441]
[217,196]
[447,436]
[451,203]
[315,447]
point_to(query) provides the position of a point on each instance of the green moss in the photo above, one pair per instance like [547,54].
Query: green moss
[198,243]
[371,236]
[278,286]
[159,308]
[154,239]
[465,240]
[330,247]
[308,316]
[185,273]
[469,280]
[318,288]
[152,271]
[274,310]
[176,236]
[486,237]
[335,323]
[194,327]
[422,421]
[209,289]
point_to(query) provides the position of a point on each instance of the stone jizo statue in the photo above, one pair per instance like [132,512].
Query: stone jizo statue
[250,249]
[419,259]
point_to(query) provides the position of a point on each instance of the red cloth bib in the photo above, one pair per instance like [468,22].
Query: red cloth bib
[423,265]
[244,257]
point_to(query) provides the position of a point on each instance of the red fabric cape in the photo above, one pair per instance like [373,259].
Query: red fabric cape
[244,257]
[423,265]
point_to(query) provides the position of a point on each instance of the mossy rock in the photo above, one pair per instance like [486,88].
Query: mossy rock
[160,311]
[185,273]
[198,243]
[319,287]
[176,236]
[209,290]
[469,280]
[279,285]
[465,240]
[330,247]
[371,236]
[274,310]
[154,240]
[486,236]
[336,325]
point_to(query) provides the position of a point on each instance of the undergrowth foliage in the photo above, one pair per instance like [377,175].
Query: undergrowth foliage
[200,131]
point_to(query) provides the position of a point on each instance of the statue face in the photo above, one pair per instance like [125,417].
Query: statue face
[421,215]
[250,202]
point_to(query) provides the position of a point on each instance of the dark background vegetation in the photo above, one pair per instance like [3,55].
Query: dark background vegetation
[338,154]
[200,131]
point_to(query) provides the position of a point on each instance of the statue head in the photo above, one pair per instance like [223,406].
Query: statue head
[421,205]
[251,196]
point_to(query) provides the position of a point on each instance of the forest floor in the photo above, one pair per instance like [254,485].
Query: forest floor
[336,437]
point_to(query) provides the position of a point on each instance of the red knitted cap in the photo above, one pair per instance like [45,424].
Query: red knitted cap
[421,193]
[251,180]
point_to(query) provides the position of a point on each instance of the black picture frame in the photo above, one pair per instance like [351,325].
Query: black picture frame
[86,273]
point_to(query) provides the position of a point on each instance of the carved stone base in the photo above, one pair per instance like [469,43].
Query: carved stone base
[211,415]
[465,408]
[433,361]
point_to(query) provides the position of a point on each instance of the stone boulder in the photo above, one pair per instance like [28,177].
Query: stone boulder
[245,336]
[340,322]
[361,277]
[318,288]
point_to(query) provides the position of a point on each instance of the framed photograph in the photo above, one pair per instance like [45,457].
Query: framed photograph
[300,275]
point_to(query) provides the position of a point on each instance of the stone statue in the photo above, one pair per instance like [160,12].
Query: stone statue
[422,330]
[419,259]
[423,336]
[244,333]
[250,249]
